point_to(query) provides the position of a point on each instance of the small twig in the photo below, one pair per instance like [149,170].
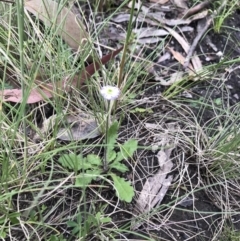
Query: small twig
[196,40]
[209,20]
[197,8]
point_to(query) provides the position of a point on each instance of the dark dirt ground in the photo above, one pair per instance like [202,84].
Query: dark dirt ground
[198,221]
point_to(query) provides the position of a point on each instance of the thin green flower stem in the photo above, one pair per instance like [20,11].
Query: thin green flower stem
[129,32]
[20,20]
[105,161]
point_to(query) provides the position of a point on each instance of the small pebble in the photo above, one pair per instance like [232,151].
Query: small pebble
[236,96]
[219,53]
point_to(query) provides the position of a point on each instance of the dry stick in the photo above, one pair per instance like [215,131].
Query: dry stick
[196,40]
[200,34]
[197,8]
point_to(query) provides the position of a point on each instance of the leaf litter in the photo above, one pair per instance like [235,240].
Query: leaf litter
[67,25]
[154,191]
[79,126]
[156,187]
[148,29]
[159,28]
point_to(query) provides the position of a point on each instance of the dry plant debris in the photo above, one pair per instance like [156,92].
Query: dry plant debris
[75,127]
[68,26]
[159,28]
[81,125]
[157,186]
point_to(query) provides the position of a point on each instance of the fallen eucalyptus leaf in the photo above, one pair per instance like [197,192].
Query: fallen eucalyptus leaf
[146,35]
[68,26]
[173,22]
[79,127]
[156,187]
[72,127]
[195,59]
[174,77]
[180,58]
[186,202]
[154,32]
[122,18]
[164,57]
[150,32]
[159,1]
[150,40]
[159,18]
[180,3]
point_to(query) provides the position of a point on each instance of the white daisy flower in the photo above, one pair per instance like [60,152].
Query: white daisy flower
[110,92]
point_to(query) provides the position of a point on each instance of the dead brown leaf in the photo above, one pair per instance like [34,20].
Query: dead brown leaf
[185,45]
[156,187]
[68,26]
[150,32]
[180,58]
[80,126]
[154,18]
[15,95]
[180,3]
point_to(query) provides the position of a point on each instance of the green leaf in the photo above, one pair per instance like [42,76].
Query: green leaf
[92,220]
[76,230]
[72,224]
[218,101]
[124,190]
[94,159]
[127,150]
[111,156]
[83,181]
[101,219]
[112,134]
[74,162]
[106,220]
[119,166]
[142,110]
[85,178]
[3,234]
[56,238]
[13,217]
